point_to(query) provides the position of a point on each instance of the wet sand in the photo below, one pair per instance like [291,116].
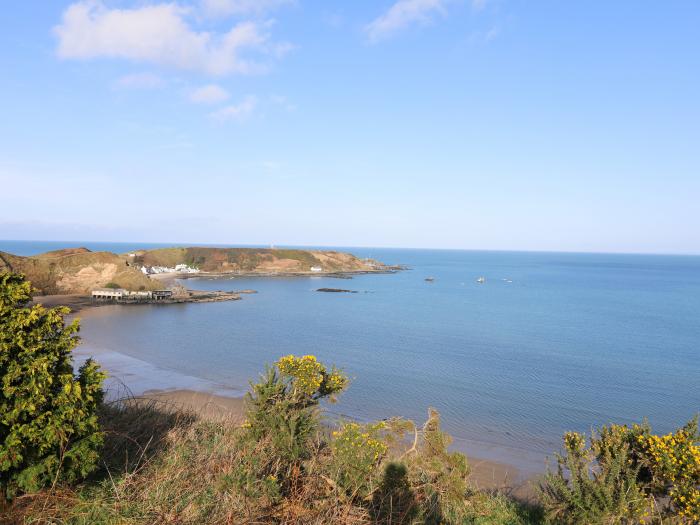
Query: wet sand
[204,404]
[76,303]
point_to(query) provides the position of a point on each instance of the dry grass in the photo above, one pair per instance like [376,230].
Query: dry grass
[162,465]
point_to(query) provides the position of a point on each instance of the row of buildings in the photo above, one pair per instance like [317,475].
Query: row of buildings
[179,268]
[120,295]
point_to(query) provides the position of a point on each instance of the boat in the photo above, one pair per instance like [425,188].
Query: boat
[430,279]
[481,280]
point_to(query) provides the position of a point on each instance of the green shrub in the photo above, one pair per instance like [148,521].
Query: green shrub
[357,451]
[439,477]
[582,491]
[113,285]
[282,421]
[625,475]
[281,466]
[48,421]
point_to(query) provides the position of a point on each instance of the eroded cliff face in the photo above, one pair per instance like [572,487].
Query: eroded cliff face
[77,271]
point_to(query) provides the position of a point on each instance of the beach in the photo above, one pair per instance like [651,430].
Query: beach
[130,377]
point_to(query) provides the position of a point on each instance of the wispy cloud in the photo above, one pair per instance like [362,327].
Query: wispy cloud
[160,34]
[209,94]
[283,102]
[139,81]
[402,14]
[223,8]
[238,112]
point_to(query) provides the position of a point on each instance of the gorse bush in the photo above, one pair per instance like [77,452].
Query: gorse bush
[582,491]
[440,477]
[283,420]
[286,465]
[289,461]
[625,475]
[48,416]
[357,451]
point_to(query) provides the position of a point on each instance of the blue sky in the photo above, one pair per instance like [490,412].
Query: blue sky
[488,124]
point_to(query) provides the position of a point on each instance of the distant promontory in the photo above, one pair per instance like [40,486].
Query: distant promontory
[79,270]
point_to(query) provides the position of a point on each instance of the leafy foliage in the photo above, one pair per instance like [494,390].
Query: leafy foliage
[625,475]
[283,419]
[440,477]
[357,451]
[48,421]
[280,466]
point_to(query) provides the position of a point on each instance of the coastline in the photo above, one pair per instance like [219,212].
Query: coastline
[491,467]
[80,302]
[485,474]
[340,274]
[131,377]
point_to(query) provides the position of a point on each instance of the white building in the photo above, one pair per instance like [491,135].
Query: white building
[179,268]
[109,294]
[183,268]
[316,269]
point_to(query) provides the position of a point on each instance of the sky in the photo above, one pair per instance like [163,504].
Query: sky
[468,124]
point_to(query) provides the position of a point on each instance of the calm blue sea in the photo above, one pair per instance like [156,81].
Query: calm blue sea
[550,342]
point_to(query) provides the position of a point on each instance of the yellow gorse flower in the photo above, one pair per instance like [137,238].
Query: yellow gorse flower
[361,441]
[310,376]
[675,458]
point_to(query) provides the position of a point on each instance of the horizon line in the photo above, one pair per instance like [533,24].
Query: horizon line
[329,246]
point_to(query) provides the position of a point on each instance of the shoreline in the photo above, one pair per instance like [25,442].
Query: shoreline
[132,377]
[339,274]
[485,474]
[81,303]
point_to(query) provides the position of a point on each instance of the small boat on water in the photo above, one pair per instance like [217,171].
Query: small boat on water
[481,280]
[430,279]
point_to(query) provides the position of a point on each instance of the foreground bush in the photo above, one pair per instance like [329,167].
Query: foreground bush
[283,465]
[48,422]
[626,475]
[286,465]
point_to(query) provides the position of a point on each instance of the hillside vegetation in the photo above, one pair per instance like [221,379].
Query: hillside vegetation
[78,270]
[221,260]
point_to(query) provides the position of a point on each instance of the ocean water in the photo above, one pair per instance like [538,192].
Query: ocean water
[550,342]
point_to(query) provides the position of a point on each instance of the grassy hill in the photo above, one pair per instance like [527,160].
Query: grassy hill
[79,270]
[252,259]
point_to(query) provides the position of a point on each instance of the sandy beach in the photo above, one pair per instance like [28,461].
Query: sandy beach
[129,376]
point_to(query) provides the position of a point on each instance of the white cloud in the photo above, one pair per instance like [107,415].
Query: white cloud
[282,101]
[402,14]
[209,94]
[139,81]
[159,34]
[222,8]
[236,111]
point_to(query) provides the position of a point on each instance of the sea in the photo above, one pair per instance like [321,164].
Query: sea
[547,343]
